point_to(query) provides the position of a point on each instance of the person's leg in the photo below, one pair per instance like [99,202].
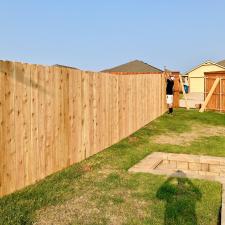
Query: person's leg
[170,108]
[170,103]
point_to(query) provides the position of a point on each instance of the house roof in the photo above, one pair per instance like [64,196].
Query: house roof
[135,66]
[205,64]
[222,63]
[69,67]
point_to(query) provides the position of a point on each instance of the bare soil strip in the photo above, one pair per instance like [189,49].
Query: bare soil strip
[185,139]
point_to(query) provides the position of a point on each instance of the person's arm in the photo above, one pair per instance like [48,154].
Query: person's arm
[166,76]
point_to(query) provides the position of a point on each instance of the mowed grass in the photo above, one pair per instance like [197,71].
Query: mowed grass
[100,190]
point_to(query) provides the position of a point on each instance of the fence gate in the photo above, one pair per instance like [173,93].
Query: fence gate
[217,101]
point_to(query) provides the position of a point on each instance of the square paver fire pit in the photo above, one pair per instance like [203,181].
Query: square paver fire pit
[185,165]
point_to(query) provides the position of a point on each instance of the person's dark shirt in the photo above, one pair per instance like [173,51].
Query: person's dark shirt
[169,87]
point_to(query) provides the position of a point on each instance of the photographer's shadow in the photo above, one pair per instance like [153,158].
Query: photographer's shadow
[181,196]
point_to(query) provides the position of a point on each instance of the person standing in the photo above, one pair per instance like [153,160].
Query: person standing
[186,85]
[169,92]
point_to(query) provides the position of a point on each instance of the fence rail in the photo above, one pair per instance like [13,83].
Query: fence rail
[51,117]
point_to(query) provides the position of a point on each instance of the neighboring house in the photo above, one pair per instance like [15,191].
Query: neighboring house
[196,75]
[222,63]
[67,67]
[135,66]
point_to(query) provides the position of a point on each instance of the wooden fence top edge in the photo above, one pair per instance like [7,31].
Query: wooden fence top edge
[73,69]
[129,73]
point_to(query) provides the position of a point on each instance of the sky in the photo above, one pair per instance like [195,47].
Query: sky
[100,34]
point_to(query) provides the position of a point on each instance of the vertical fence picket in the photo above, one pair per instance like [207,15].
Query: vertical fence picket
[63,116]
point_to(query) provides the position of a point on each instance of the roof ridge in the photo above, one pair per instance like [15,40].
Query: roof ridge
[130,66]
[152,66]
[202,64]
[222,61]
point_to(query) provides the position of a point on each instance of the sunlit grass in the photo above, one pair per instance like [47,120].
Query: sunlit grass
[118,196]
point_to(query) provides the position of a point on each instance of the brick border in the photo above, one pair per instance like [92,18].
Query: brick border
[196,166]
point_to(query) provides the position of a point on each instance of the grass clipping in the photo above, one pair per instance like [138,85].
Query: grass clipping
[185,139]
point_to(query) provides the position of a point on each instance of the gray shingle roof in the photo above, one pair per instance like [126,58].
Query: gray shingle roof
[222,63]
[135,66]
[63,66]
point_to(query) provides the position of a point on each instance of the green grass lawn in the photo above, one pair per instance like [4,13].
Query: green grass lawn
[100,190]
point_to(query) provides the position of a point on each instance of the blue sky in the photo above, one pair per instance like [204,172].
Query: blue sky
[99,34]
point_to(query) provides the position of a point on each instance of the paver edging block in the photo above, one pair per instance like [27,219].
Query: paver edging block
[185,165]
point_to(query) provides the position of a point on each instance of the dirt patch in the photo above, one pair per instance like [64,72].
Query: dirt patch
[87,168]
[94,207]
[63,214]
[185,139]
[133,139]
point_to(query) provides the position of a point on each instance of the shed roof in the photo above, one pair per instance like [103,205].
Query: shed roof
[135,66]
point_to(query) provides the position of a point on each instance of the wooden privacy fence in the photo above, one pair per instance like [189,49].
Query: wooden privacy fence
[217,100]
[51,117]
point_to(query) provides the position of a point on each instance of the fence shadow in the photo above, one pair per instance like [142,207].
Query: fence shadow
[181,196]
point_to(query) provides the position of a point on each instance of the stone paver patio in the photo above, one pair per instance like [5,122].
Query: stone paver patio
[193,99]
[185,165]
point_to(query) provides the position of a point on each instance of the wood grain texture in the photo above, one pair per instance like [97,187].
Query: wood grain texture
[51,117]
[217,101]
[209,96]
